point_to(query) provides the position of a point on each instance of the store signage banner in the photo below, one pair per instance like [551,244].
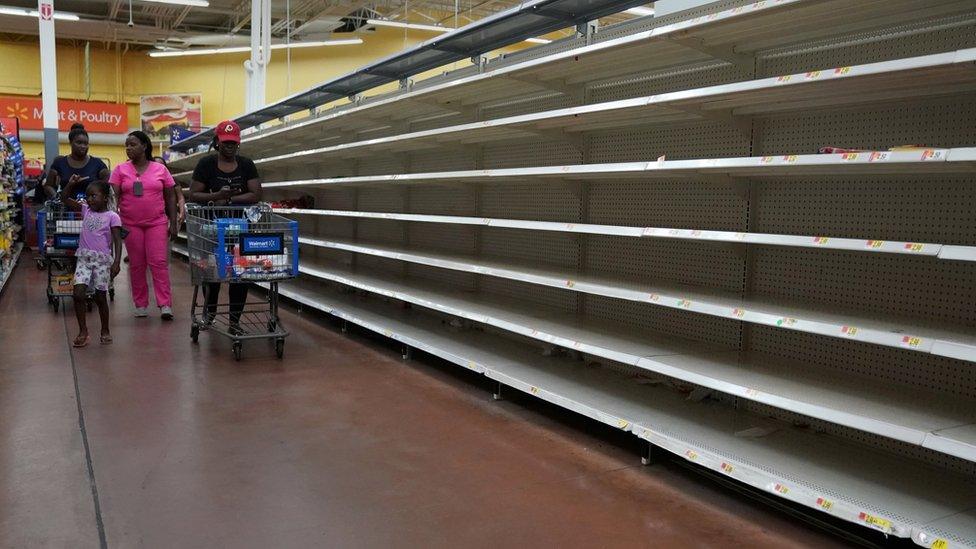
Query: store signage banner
[97,117]
[162,114]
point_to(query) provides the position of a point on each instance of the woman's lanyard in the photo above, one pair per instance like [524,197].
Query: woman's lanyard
[137,187]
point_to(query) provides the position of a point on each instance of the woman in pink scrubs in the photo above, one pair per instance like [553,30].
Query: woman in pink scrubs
[147,206]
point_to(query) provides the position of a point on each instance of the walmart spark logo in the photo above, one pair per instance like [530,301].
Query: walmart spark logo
[16,111]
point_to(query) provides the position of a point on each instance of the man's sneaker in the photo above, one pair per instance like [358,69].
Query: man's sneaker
[166,313]
[141,312]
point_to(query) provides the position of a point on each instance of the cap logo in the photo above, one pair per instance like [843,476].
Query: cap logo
[228,128]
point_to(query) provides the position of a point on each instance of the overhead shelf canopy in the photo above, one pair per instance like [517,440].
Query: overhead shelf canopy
[530,19]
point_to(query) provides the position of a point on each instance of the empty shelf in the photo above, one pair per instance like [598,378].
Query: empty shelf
[910,415]
[927,75]
[919,338]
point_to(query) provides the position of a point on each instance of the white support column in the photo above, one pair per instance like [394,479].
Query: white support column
[49,78]
[257,66]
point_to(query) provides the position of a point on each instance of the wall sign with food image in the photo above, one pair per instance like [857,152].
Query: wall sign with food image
[161,113]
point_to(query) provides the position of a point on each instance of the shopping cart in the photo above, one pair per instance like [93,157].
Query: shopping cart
[240,244]
[58,234]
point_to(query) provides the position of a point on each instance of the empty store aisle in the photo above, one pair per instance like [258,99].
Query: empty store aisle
[341,444]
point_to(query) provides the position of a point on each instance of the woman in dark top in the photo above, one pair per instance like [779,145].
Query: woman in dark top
[77,166]
[226,179]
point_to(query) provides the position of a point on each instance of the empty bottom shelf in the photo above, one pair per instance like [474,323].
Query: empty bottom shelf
[895,495]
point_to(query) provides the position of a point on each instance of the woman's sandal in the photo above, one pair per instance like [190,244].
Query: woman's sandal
[105,340]
[81,342]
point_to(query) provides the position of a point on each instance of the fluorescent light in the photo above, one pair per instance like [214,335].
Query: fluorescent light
[640,11]
[405,25]
[197,3]
[59,15]
[433,28]
[242,49]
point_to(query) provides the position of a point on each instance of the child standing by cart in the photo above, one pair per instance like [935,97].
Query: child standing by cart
[98,255]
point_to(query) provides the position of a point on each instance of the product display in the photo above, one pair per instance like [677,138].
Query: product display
[11,192]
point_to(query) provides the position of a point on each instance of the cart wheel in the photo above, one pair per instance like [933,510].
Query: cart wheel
[195,333]
[280,347]
[272,326]
[237,350]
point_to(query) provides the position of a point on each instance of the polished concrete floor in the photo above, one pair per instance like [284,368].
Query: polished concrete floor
[155,442]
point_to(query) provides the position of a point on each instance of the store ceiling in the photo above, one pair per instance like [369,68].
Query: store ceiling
[226,22]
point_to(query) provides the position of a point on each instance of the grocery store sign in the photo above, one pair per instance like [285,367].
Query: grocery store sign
[97,117]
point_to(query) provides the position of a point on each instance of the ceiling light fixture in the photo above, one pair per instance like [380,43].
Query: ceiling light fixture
[242,49]
[194,3]
[432,28]
[405,25]
[58,15]
[641,12]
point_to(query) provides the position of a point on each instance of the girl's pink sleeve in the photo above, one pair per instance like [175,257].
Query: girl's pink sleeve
[114,220]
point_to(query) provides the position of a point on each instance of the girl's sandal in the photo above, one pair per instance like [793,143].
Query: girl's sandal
[81,342]
[106,340]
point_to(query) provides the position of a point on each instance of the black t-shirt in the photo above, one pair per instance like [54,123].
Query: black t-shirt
[91,169]
[214,179]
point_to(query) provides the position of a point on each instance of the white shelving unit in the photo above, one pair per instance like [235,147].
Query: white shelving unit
[647,198]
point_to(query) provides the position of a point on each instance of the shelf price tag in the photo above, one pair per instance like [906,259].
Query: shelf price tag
[534,390]
[738,313]
[752,393]
[790,158]
[767,160]
[684,303]
[570,284]
[727,468]
[813,75]
[471,365]
[879,522]
[914,246]
[820,240]
[933,154]
[849,157]
[940,544]
[691,454]
[911,342]
[784,78]
[874,244]
[879,156]
[623,423]
[781,489]
[849,331]
[785,322]
[825,504]
[654,298]
[840,71]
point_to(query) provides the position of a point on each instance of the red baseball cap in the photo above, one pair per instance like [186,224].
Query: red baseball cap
[228,130]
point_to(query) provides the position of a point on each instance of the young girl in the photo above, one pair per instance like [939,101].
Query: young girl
[98,255]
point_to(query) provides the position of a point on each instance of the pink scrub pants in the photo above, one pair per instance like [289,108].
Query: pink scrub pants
[149,247]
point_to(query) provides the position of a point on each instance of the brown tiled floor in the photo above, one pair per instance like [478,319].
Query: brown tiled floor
[342,444]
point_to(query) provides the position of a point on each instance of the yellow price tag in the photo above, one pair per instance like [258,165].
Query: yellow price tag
[882,523]
[825,504]
[570,284]
[849,330]
[940,544]
[534,390]
[691,454]
[781,489]
[623,423]
[727,468]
